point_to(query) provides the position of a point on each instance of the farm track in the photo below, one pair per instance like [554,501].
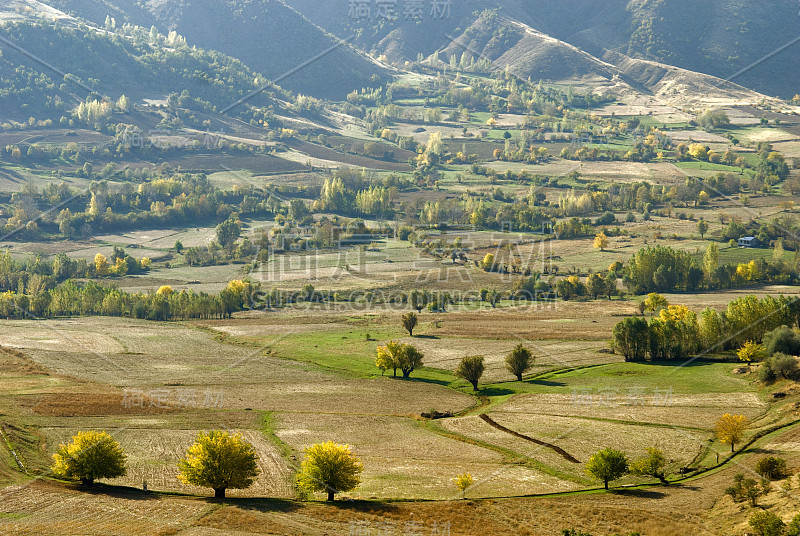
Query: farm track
[566,455]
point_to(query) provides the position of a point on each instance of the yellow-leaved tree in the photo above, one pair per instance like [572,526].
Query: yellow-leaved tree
[462,482]
[330,468]
[601,241]
[90,456]
[219,460]
[751,351]
[101,266]
[730,428]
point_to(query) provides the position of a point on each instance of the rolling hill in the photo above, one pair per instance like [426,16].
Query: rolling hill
[720,38]
[266,35]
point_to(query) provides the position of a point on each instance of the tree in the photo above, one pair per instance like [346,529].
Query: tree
[601,241]
[750,351]
[771,467]
[462,482]
[730,428]
[330,468]
[90,456]
[608,465]
[178,246]
[702,227]
[654,302]
[654,464]
[409,323]
[219,460]
[711,263]
[165,290]
[418,300]
[228,233]
[397,355]
[766,524]
[595,285]
[519,361]
[101,266]
[745,489]
[631,337]
[471,369]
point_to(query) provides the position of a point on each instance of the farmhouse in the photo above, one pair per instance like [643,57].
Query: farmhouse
[748,242]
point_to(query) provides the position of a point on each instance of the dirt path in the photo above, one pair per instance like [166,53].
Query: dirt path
[566,455]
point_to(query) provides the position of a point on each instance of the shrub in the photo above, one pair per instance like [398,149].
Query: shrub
[785,366]
[766,524]
[765,373]
[782,339]
[771,467]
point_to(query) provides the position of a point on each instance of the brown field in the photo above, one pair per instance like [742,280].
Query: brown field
[695,411]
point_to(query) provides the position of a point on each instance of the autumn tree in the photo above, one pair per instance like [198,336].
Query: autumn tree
[608,465]
[462,482]
[751,351]
[471,369]
[601,241]
[409,323]
[654,464]
[90,456]
[219,460]
[329,468]
[397,355]
[101,266]
[730,428]
[654,301]
[519,361]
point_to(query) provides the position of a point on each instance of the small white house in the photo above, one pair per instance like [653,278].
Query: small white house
[748,242]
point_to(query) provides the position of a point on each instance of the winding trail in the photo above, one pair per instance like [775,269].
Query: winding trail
[566,455]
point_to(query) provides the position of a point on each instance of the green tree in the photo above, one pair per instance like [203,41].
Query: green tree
[595,285]
[228,233]
[409,323]
[219,460]
[702,227]
[519,361]
[745,489]
[771,467]
[607,465]
[766,524]
[178,246]
[90,456]
[329,468]
[631,338]
[654,464]
[470,368]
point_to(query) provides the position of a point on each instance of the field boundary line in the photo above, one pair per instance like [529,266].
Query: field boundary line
[491,422]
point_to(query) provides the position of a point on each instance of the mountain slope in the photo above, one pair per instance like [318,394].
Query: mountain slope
[715,37]
[267,35]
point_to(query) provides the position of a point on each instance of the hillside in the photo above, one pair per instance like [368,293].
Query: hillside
[108,65]
[718,38]
[268,36]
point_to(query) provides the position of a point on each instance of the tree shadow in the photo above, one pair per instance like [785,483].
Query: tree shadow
[640,493]
[495,391]
[545,383]
[261,504]
[435,337]
[118,492]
